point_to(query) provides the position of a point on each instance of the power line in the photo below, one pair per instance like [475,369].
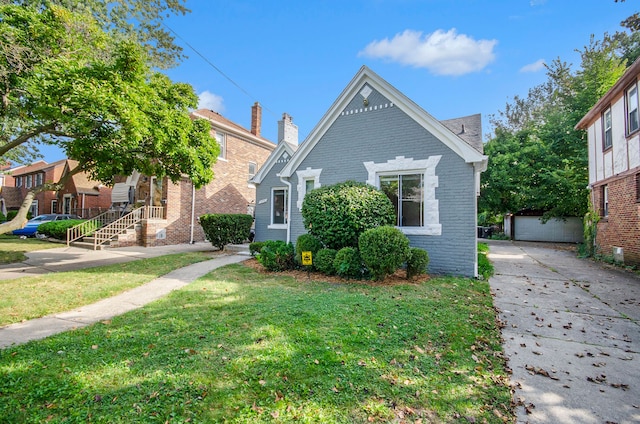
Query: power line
[218,69]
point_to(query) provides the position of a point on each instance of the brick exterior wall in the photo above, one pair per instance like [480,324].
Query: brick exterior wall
[229,192]
[621,228]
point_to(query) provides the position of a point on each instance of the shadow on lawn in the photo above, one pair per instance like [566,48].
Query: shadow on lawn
[240,347]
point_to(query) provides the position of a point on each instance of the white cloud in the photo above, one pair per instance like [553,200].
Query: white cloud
[537,2]
[533,67]
[208,100]
[442,53]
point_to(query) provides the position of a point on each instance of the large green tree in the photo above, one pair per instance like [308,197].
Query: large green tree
[537,160]
[67,82]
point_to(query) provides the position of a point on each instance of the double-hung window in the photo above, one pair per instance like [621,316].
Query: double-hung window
[39,179]
[607,137]
[222,142]
[29,182]
[279,198]
[18,181]
[605,200]
[633,123]
[406,192]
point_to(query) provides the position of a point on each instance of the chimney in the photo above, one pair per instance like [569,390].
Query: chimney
[256,119]
[287,130]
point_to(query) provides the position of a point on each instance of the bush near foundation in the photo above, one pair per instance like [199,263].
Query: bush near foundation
[223,229]
[307,243]
[383,250]
[276,255]
[417,262]
[348,263]
[339,213]
[323,261]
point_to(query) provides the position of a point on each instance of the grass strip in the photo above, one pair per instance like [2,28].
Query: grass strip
[13,248]
[239,346]
[34,297]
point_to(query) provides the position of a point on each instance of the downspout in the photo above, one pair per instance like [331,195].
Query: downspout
[288,208]
[193,210]
[83,204]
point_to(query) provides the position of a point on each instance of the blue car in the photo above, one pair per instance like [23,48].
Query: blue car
[31,228]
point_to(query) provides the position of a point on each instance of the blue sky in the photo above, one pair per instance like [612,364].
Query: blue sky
[452,57]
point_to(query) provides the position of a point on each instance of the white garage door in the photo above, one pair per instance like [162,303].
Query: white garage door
[530,228]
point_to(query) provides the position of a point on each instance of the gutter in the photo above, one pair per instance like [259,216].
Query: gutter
[288,208]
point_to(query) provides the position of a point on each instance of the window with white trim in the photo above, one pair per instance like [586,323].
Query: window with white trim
[406,192]
[252,169]
[39,179]
[54,206]
[308,179]
[221,138]
[411,186]
[605,200]
[34,208]
[279,198]
[18,181]
[29,182]
[633,123]
[607,138]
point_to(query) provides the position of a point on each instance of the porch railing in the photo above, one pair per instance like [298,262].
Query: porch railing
[119,226]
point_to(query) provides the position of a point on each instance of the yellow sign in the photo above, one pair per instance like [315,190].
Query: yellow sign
[306,258]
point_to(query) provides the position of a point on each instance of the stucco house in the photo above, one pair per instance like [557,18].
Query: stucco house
[373,133]
[613,132]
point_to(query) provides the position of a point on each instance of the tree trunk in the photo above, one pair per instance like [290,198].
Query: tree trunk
[21,218]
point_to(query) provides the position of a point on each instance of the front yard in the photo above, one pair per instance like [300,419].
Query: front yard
[242,346]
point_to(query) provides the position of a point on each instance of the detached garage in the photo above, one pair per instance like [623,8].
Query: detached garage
[528,226]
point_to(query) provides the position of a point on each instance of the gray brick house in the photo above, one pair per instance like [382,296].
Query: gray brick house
[375,134]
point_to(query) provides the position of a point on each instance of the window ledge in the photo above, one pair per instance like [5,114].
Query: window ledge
[277,226]
[427,230]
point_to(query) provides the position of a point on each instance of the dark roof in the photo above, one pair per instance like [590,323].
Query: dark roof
[468,128]
[12,197]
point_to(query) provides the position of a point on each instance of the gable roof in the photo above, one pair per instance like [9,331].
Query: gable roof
[82,182]
[468,128]
[629,76]
[283,147]
[220,122]
[365,75]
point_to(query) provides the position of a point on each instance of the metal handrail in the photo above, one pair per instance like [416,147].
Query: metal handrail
[89,226]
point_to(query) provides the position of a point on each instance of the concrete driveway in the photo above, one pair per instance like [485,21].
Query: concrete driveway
[571,334]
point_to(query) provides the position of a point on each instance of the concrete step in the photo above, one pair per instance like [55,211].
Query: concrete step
[238,249]
[87,245]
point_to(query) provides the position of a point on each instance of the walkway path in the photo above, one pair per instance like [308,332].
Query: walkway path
[571,333]
[66,259]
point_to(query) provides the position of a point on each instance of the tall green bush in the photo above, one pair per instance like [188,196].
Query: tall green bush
[307,243]
[383,250]
[223,229]
[339,213]
[276,255]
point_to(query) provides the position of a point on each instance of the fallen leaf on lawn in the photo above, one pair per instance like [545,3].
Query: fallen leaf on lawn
[279,396]
[94,347]
[275,414]
[419,349]
[335,389]
[262,382]
[315,361]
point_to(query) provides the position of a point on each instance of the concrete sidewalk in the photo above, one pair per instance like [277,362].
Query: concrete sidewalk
[571,334]
[68,259]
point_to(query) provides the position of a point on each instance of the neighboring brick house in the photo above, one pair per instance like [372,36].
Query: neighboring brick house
[242,152]
[613,131]
[81,195]
[26,177]
[373,133]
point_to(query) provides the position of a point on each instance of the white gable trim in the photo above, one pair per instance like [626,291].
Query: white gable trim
[366,75]
[273,158]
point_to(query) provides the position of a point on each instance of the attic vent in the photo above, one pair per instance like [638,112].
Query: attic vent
[366,91]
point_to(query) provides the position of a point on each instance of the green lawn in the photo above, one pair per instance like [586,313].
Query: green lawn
[12,248]
[34,297]
[239,346]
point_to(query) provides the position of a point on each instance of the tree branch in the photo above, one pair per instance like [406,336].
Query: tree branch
[23,138]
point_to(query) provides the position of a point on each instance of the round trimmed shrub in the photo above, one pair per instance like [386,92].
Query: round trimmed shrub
[307,243]
[339,213]
[348,263]
[323,261]
[417,262]
[383,250]
[276,255]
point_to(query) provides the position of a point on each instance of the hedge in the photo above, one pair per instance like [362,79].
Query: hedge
[58,229]
[223,229]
